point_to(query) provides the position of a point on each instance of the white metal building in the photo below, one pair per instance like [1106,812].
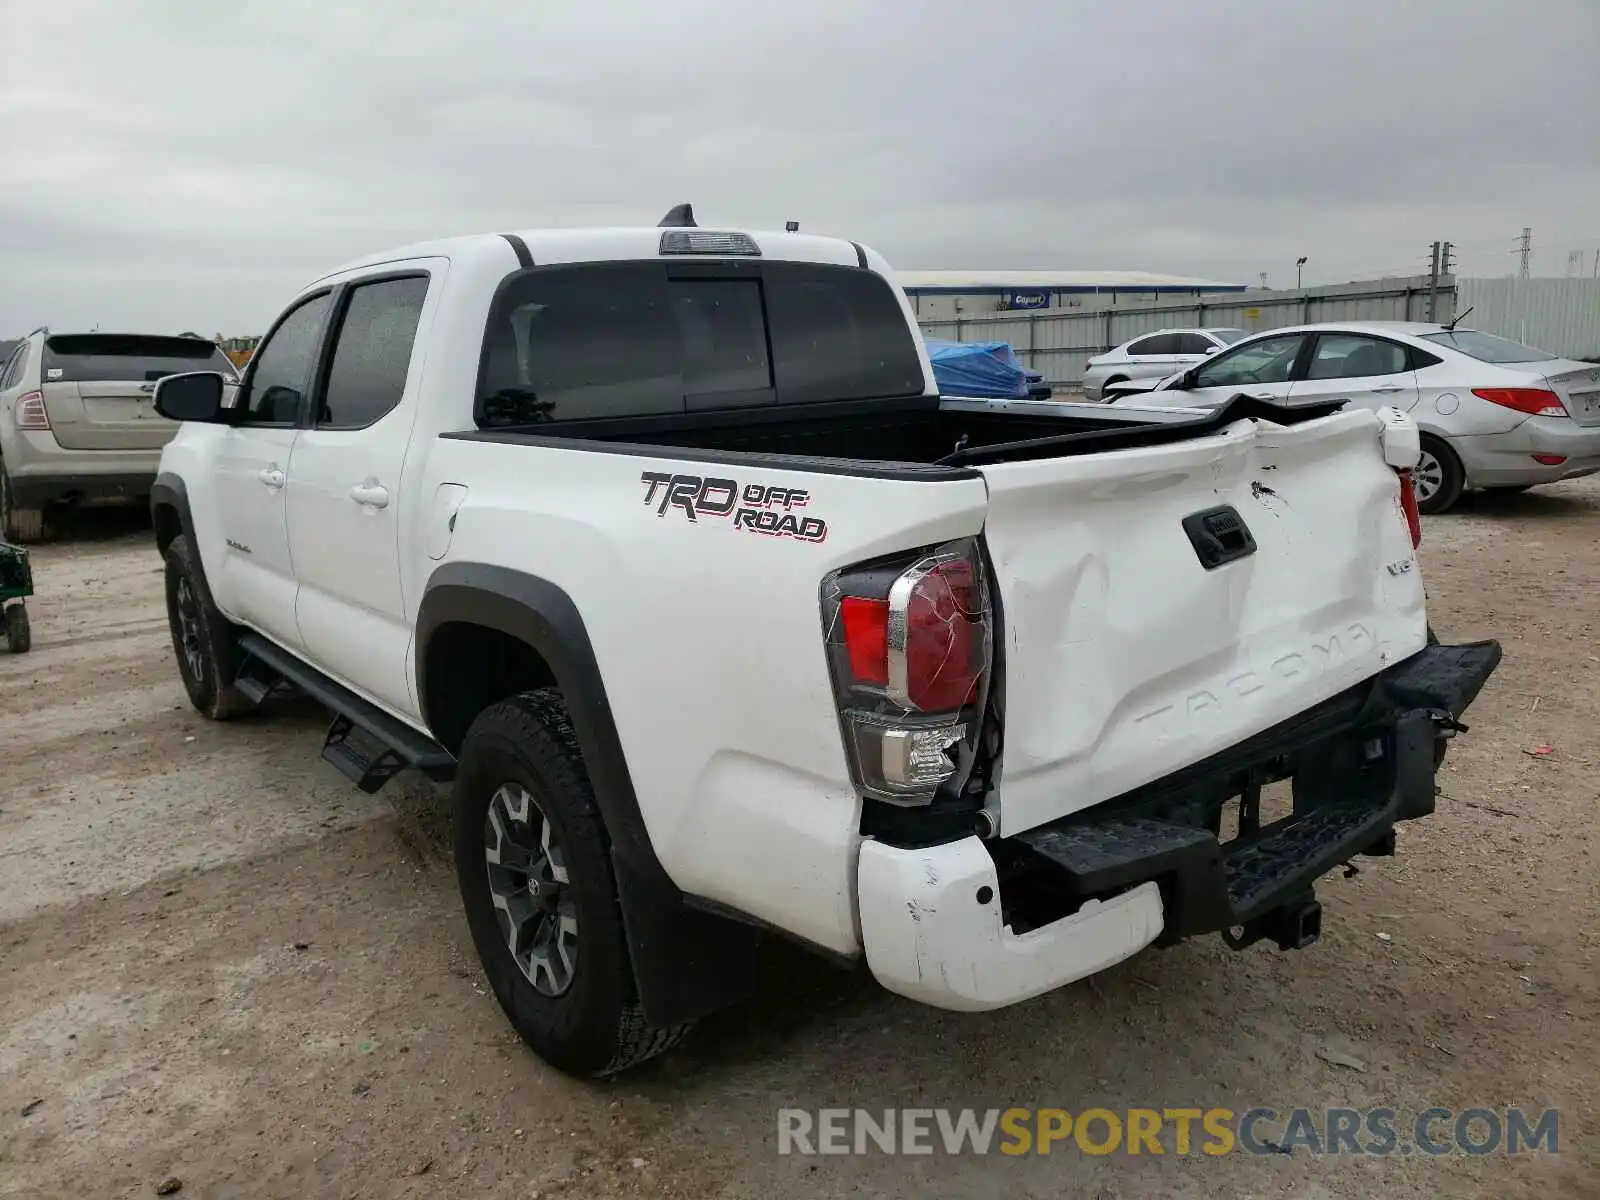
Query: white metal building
[937,295]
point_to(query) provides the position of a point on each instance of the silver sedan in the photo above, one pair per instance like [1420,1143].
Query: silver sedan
[1493,413]
[1154,356]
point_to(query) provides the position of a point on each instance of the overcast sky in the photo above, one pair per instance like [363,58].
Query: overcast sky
[187,164]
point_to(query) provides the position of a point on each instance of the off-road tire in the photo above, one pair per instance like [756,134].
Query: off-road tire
[20,525]
[19,637]
[1452,483]
[209,681]
[596,1028]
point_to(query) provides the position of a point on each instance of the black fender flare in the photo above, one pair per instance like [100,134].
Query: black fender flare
[687,961]
[169,492]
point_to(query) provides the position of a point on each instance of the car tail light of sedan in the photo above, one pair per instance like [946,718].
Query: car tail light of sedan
[1536,402]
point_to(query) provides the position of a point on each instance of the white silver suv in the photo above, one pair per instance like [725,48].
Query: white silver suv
[76,420]
[1154,356]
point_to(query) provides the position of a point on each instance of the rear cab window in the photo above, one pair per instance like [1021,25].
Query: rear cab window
[127,357]
[635,339]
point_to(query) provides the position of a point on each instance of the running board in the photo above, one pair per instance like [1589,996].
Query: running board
[367,744]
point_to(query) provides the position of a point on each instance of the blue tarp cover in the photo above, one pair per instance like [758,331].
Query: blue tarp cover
[989,370]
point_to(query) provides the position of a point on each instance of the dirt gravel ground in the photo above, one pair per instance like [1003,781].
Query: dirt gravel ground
[221,964]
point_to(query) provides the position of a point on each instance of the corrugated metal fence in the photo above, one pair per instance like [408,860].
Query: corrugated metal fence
[1563,319]
[1558,315]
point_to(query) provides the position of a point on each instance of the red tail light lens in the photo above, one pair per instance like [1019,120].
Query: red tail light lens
[30,412]
[866,638]
[1550,460]
[1408,505]
[934,664]
[909,646]
[1536,402]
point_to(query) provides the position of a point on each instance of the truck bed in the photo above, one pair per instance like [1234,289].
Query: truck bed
[924,430]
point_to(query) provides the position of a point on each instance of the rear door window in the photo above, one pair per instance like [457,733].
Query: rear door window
[14,368]
[1192,343]
[1352,356]
[373,354]
[127,357]
[1160,343]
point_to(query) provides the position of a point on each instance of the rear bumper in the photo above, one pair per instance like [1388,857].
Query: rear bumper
[1506,459]
[43,472]
[976,925]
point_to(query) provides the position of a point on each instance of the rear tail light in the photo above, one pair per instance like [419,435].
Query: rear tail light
[1408,505]
[1550,460]
[31,412]
[910,649]
[1537,402]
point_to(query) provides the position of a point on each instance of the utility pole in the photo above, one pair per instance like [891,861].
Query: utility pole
[1433,286]
[1524,248]
[1299,265]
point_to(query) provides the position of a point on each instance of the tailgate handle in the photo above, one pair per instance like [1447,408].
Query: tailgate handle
[1219,535]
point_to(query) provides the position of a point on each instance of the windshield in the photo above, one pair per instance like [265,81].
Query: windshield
[1485,347]
[1226,336]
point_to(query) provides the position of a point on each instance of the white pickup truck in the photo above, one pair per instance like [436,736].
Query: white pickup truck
[661,544]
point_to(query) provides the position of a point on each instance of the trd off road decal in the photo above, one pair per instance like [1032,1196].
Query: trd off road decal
[756,507]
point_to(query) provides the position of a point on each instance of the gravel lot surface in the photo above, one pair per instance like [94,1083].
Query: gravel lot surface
[221,964]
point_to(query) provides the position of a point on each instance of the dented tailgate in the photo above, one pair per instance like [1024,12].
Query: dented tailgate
[1163,603]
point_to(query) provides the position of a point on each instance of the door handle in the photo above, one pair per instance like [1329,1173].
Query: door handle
[1385,388]
[273,477]
[371,494]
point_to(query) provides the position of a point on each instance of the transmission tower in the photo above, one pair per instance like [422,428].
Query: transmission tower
[1525,248]
[1574,262]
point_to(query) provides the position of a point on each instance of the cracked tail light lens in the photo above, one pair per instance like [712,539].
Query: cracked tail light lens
[1408,506]
[909,644]
[30,412]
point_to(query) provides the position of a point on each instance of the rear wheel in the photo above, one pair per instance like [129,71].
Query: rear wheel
[1438,476]
[18,524]
[202,638]
[19,637]
[534,867]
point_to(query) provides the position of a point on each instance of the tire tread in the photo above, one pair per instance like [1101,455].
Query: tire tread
[540,725]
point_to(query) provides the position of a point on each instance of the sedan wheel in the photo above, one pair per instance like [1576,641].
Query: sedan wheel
[1438,477]
[1429,476]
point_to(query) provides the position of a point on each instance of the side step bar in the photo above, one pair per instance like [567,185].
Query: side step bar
[367,744]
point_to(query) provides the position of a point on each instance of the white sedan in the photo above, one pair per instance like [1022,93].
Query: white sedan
[1153,356]
[1493,413]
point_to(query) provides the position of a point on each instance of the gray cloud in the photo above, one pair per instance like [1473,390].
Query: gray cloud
[178,164]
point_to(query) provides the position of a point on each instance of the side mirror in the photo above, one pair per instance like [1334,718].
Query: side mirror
[192,396]
[1210,350]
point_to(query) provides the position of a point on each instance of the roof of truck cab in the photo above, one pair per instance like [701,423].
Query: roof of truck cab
[599,245]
